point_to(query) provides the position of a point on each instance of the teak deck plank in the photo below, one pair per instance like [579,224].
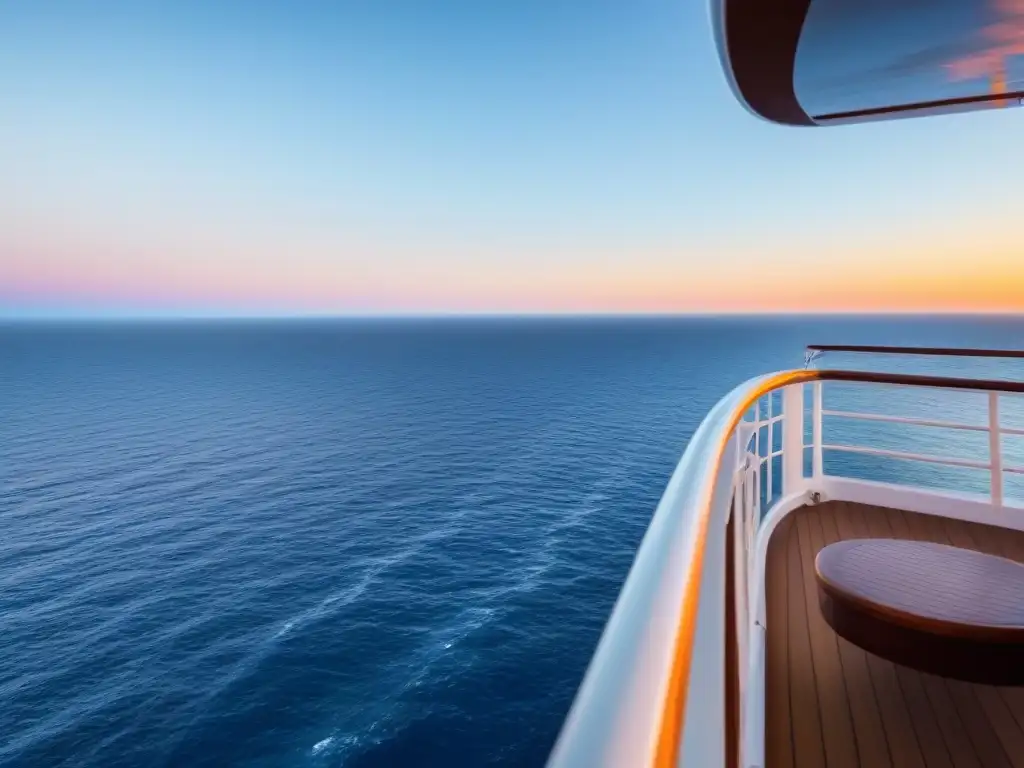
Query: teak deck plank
[805,715]
[778,728]
[836,720]
[831,704]
[872,747]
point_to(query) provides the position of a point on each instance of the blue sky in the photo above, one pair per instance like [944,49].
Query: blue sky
[447,156]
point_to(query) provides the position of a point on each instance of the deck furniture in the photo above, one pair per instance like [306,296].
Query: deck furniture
[933,607]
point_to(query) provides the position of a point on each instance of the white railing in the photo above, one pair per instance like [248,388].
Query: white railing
[631,707]
[992,462]
[664,640]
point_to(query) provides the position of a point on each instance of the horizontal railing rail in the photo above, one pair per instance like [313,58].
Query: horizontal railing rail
[634,704]
[908,456]
[917,380]
[928,351]
[918,422]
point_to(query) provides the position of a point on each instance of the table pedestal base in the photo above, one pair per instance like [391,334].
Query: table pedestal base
[961,659]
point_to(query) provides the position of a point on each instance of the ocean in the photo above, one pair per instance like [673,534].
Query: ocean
[356,543]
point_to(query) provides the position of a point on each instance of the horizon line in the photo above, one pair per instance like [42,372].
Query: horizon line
[30,317]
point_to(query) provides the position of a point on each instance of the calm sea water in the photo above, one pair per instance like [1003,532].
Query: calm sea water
[358,543]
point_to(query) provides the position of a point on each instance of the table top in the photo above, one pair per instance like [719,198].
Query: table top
[927,586]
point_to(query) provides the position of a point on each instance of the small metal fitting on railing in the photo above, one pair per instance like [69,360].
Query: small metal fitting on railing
[814,497]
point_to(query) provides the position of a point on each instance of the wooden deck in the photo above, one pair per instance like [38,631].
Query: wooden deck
[828,703]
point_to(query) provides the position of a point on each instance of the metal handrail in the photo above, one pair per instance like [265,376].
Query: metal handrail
[929,351]
[631,707]
[916,380]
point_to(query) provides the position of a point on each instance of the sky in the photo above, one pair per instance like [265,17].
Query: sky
[444,156]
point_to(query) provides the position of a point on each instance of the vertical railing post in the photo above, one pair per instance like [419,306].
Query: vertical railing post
[742,543]
[757,430]
[995,449]
[755,475]
[751,491]
[771,449]
[792,437]
[818,462]
[742,436]
[755,493]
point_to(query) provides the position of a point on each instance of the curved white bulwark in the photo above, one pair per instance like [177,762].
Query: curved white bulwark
[678,675]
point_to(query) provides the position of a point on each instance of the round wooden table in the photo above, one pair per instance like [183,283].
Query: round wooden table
[940,609]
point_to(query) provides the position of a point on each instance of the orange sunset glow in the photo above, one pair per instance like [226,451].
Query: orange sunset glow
[951,279]
[634,183]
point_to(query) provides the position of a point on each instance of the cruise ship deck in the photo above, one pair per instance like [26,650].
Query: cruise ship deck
[927,600]
[829,703]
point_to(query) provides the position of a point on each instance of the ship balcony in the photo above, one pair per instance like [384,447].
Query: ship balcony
[717,652]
